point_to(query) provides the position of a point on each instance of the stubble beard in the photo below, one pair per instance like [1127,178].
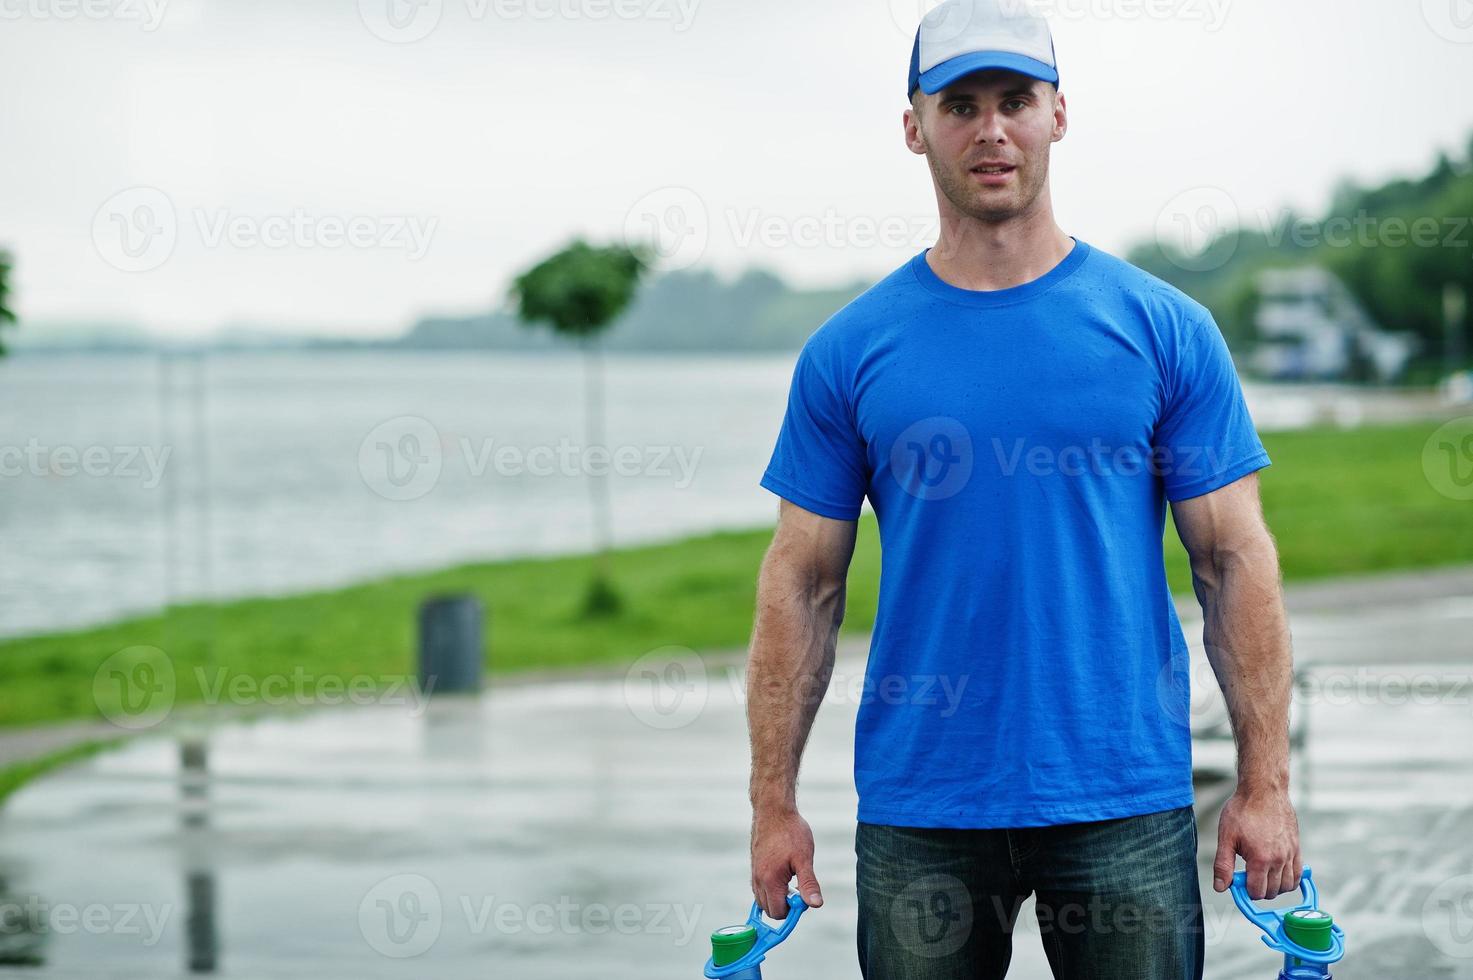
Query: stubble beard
[984,204]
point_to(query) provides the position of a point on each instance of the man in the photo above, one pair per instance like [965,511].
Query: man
[1019,408]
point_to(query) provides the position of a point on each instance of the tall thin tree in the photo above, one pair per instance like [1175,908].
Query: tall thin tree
[7,315]
[579,292]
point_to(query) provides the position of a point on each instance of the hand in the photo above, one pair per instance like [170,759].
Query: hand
[1264,829]
[782,846]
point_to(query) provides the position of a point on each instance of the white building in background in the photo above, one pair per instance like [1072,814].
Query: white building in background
[1312,327]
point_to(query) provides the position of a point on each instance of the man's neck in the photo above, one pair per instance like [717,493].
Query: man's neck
[978,255]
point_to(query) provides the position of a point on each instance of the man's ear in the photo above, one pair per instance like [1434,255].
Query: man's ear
[915,137]
[1061,116]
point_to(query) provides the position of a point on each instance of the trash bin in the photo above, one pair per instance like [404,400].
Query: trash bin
[450,645]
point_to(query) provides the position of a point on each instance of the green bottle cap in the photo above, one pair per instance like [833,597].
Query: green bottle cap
[731,943]
[1309,929]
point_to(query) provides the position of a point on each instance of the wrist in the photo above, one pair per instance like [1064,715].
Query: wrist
[768,807]
[1264,787]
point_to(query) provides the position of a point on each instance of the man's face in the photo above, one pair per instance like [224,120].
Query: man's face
[989,118]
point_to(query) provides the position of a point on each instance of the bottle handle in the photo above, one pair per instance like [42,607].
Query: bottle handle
[1271,921]
[767,937]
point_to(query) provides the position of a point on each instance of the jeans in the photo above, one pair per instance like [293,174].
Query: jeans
[1116,899]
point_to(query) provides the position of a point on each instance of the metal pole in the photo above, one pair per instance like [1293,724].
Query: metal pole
[1454,305]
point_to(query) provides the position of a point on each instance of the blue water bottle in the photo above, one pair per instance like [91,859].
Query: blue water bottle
[737,951]
[1306,935]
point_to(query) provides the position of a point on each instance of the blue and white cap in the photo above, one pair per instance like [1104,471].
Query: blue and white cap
[960,37]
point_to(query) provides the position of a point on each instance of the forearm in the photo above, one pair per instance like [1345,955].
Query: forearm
[1246,633]
[788,668]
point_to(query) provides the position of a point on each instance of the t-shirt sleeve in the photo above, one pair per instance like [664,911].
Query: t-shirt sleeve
[1205,438]
[819,462]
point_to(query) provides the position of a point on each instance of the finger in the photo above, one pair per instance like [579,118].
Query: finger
[808,884]
[1291,877]
[775,898]
[1258,879]
[1222,867]
[1272,879]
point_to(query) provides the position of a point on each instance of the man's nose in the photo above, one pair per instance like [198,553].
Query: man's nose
[989,129]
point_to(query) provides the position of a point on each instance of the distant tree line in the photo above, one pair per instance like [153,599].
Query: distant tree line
[1396,247]
[685,310]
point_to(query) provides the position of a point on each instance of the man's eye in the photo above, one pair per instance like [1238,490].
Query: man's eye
[1015,102]
[961,108]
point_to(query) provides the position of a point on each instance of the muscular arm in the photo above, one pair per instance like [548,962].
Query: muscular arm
[1235,574]
[800,603]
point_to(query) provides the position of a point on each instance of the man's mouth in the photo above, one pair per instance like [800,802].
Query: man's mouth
[990,168]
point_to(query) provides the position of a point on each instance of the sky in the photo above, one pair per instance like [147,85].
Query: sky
[348,166]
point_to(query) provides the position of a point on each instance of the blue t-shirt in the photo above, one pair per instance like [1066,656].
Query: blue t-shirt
[1018,446]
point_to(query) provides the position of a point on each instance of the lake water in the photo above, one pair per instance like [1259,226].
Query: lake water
[129,481]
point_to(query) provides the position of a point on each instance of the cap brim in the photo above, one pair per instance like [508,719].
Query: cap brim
[947,72]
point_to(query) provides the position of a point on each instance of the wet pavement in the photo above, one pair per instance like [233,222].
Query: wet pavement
[598,828]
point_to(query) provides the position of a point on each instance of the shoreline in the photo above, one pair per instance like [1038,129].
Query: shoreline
[1350,509]
[29,752]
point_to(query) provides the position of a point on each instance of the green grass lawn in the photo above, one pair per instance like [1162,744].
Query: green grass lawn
[1337,502]
[14,777]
